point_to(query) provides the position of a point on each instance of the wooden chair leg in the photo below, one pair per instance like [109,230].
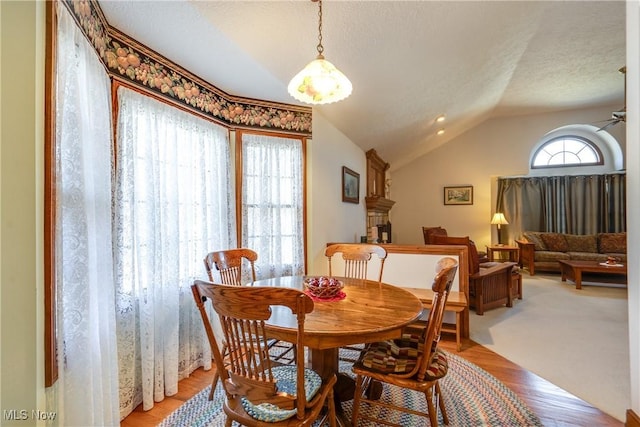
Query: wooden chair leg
[331,403]
[433,415]
[479,300]
[458,327]
[214,384]
[445,417]
[356,400]
[216,376]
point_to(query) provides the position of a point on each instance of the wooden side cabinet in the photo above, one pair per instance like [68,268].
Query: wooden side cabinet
[378,206]
[376,174]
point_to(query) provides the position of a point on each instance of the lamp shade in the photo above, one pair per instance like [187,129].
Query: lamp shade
[499,219]
[320,82]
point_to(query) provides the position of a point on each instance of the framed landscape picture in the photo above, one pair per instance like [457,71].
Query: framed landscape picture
[461,195]
[350,186]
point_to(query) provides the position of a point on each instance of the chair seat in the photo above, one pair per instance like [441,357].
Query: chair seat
[398,355]
[388,357]
[286,382]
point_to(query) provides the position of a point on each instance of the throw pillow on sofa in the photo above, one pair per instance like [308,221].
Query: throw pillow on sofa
[582,243]
[535,238]
[555,242]
[613,243]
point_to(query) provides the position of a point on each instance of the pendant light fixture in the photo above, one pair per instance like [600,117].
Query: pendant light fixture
[320,82]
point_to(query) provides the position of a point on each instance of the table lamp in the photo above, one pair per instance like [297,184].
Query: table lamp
[499,219]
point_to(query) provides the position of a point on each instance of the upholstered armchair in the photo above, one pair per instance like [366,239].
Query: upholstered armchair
[490,283]
[430,232]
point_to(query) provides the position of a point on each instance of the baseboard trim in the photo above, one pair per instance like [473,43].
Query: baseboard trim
[633,420]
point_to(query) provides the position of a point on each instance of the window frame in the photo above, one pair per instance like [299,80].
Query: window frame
[586,143]
[239,182]
[50,318]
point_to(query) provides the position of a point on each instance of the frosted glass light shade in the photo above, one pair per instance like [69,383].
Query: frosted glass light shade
[320,82]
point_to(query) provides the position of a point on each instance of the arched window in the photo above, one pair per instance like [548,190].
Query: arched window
[567,151]
[575,150]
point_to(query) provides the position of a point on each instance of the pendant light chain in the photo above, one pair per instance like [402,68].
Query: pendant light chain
[320,47]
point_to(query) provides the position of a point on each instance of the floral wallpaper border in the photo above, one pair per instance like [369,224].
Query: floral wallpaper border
[129,61]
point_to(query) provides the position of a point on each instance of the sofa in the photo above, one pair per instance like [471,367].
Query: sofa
[542,250]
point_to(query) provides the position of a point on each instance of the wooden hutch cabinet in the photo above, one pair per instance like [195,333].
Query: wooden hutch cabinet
[378,206]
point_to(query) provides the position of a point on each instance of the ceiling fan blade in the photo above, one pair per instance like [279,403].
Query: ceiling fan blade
[621,115]
[608,125]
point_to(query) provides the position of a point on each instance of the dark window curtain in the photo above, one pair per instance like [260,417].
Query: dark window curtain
[520,199]
[575,204]
[614,209]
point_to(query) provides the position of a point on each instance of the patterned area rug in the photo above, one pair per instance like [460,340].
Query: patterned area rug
[472,396]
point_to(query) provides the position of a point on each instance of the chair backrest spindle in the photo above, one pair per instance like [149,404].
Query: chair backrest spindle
[356,259]
[228,265]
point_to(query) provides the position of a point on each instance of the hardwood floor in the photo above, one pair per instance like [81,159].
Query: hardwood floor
[187,388]
[554,406]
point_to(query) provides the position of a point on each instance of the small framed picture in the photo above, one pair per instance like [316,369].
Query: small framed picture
[350,186]
[460,195]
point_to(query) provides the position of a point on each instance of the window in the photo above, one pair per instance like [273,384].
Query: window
[172,205]
[567,151]
[128,222]
[575,185]
[272,204]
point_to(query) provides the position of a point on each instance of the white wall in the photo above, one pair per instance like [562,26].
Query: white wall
[329,219]
[497,147]
[633,197]
[21,208]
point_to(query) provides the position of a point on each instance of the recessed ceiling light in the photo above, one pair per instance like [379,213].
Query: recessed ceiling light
[440,118]
[440,131]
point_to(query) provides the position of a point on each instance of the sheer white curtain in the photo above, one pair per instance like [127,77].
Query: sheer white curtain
[173,204]
[86,393]
[273,204]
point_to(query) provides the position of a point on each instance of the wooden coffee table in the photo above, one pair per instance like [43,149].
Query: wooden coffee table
[573,270]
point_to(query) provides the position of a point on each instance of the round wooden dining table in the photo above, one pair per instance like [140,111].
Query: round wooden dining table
[369,312]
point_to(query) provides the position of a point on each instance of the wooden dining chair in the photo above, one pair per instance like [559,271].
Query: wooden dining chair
[413,361]
[259,392]
[229,266]
[356,259]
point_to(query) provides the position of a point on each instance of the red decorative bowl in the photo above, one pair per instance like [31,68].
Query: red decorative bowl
[323,287]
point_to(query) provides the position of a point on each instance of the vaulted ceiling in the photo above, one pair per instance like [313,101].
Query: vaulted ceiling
[409,61]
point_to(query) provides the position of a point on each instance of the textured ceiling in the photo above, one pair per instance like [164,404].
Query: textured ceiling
[409,61]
